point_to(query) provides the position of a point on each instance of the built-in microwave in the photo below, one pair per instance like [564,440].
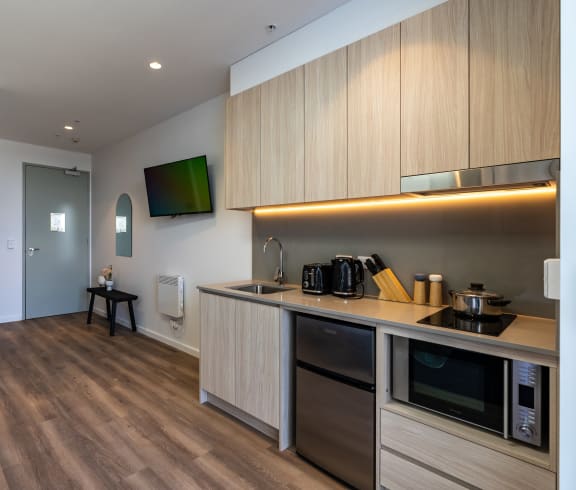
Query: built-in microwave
[509,397]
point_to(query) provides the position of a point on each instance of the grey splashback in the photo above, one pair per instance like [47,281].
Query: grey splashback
[501,243]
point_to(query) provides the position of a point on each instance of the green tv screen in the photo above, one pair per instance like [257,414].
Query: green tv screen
[178,188]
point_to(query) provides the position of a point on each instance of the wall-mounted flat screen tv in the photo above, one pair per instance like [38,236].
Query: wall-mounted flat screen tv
[180,187]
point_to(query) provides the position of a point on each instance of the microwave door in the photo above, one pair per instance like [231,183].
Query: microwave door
[465,385]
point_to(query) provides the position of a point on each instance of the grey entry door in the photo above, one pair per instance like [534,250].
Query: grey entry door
[57,233]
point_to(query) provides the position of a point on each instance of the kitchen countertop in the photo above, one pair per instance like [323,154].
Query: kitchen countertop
[527,333]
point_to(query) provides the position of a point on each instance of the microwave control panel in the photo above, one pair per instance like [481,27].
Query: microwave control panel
[527,402]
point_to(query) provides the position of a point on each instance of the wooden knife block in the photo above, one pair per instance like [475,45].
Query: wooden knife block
[390,287]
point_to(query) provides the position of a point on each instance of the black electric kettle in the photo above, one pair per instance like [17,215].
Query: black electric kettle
[347,276]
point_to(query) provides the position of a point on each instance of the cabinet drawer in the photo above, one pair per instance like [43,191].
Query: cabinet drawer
[397,473]
[459,458]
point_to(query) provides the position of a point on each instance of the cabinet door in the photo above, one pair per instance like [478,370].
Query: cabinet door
[434,119]
[242,151]
[217,346]
[374,115]
[258,361]
[326,160]
[282,145]
[514,81]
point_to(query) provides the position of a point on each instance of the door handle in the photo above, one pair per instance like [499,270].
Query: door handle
[31,251]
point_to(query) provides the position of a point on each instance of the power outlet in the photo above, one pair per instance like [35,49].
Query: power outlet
[552,278]
[363,259]
[175,324]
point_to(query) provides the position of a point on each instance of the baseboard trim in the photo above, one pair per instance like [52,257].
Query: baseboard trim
[193,351]
[207,397]
[10,318]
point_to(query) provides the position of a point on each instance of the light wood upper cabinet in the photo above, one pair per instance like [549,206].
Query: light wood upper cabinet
[258,361]
[282,144]
[514,81]
[374,115]
[469,83]
[218,346]
[242,150]
[434,67]
[325,89]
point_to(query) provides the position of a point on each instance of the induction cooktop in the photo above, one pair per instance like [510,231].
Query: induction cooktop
[486,325]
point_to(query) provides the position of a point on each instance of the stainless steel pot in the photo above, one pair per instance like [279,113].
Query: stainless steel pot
[476,301]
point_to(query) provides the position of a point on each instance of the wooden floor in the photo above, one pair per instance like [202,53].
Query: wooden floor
[80,409]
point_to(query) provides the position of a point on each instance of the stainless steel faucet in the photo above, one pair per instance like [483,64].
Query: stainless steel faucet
[279,273]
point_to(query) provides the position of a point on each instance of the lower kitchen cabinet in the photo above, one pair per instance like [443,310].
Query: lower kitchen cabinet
[217,346]
[398,473]
[258,361]
[429,453]
[240,355]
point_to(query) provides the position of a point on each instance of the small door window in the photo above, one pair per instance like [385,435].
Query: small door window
[58,222]
[121,226]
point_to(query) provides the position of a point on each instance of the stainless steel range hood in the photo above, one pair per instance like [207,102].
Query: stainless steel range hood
[526,174]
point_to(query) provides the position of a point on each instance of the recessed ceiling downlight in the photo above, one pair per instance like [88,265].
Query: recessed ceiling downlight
[155,65]
[68,127]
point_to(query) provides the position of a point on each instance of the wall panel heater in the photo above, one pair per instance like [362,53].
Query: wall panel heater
[170,290]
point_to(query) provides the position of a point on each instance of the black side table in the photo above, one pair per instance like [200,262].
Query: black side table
[113,297]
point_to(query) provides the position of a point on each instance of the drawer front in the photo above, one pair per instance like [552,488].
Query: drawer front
[461,459]
[397,473]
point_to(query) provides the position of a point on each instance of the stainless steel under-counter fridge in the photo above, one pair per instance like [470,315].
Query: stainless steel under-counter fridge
[335,398]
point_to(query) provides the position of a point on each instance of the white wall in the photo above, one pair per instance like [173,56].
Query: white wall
[203,248]
[568,249]
[12,156]
[344,25]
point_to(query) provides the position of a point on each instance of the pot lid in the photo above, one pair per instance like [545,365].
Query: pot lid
[477,290]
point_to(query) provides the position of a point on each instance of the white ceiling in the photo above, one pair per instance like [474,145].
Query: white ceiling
[87,60]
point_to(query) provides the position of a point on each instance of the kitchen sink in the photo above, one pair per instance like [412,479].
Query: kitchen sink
[260,288]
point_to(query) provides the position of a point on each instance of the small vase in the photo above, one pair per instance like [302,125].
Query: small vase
[109,285]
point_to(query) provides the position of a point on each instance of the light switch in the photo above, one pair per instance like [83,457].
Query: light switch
[552,278]
[11,244]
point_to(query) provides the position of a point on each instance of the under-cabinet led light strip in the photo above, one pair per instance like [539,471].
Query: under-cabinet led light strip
[405,201]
